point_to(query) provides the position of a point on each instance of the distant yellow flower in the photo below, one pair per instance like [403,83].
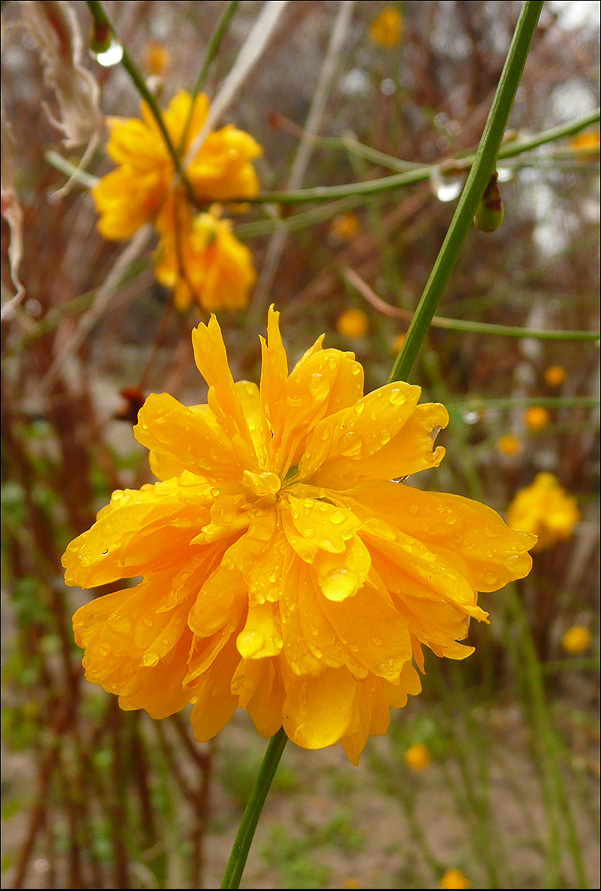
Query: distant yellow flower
[418,757]
[545,509]
[509,445]
[206,264]
[555,375]
[283,571]
[352,323]
[352,883]
[157,58]
[577,639]
[585,142]
[136,191]
[345,226]
[397,343]
[453,878]
[536,417]
[386,28]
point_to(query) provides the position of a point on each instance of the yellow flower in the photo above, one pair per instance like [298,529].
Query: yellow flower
[136,191]
[536,417]
[577,639]
[418,757]
[453,878]
[283,569]
[386,28]
[352,323]
[545,509]
[509,445]
[205,263]
[345,226]
[555,375]
[157,58]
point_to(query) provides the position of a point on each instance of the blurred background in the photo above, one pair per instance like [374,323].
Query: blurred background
[490,778]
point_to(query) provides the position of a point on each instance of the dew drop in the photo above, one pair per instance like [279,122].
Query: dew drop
[491,578]
[450,520]
[350,444]
[385,437]
[397,397]
[413,510]
[150,659]
[338,584]
[148,622]
[377,641]
[338,517]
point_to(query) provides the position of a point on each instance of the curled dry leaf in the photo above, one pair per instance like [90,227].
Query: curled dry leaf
[55,28]
[12,213]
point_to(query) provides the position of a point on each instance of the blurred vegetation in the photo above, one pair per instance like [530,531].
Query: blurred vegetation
[97,798]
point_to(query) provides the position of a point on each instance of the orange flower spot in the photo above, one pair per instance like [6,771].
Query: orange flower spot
[536,417]
[345,226]
[576,639]
[283,571]
[509,445]
[453,878]
[157,59]
[386,28]
[555,375]
[418,757]
[352,323]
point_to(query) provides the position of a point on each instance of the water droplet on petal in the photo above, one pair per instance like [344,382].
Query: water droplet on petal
[150,659]
[338,584]
[397,397]
[413,510]
[491,578]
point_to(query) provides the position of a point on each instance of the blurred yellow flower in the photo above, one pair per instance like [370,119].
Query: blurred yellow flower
[453,878]
[545,509]
[136,191]
[509,445]
[418,757]
[204,263]
[385,29]
[397,343]
[585,142]
[555,375]
[536,417]
[352,883]
[352,323]
[157,58]
[577,639]
[345,226]
[283,571]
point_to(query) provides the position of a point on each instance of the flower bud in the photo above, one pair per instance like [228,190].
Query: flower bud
[489,214]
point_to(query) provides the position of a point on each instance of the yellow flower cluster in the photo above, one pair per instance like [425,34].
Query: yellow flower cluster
[545,509]
[284,571]
[197,256]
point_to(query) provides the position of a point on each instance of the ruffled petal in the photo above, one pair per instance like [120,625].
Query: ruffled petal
[318,710]
[214,703]
[467,535]
[185,438]
[381,452]
[258,685]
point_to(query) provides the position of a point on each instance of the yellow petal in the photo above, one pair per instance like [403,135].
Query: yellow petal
[466,534]
[258,685]
[214,703]
[312,524]
[261,636]
[190,439]
[341,575]
[318,710]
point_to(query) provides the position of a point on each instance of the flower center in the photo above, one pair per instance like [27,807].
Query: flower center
[263,485]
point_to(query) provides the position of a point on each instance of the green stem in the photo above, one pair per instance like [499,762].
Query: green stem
[474,402]
[252,812]
[215,40]
[421,173]
[477,181]
[101,17]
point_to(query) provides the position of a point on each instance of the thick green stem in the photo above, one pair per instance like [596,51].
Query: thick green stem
[101,17]
[250,818]
[477,181]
